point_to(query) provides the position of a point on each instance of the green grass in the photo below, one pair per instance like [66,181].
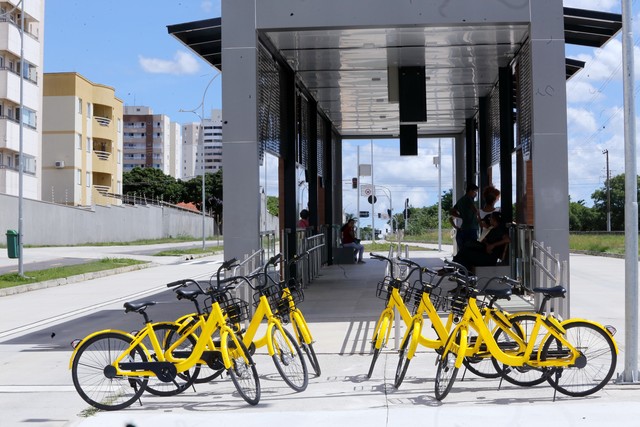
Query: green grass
[13,279]
[606,243]
[190,251]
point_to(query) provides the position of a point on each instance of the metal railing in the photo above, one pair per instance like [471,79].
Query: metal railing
[546,271]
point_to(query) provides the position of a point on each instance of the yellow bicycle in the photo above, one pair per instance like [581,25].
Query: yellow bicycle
[111,368]
[578,356]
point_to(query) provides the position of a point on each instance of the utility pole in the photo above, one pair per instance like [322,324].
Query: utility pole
[608,187]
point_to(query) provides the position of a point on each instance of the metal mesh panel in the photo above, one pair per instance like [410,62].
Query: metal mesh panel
[269,130]
[303,131]
[320,143]
[494,125]
[524,99]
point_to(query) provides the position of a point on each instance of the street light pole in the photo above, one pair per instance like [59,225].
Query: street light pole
[201,138]
[606,153]
[437,162]
[21,148]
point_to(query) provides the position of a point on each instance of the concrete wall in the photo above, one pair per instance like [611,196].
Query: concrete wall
[52,224]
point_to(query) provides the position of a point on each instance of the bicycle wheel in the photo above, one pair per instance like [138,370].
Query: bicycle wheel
[243,372]
[311,356]
[480,363]
[379,341]
[298,325]
[446,362]
[524,376]
[593,368]
[288,359]
[403,359]
[167,334]
[94,375]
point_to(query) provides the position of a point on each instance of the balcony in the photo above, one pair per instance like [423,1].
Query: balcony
[103,121]
[102,155]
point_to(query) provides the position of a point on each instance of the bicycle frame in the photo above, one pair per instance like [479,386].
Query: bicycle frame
[472,317]
[215,320]
[263,311]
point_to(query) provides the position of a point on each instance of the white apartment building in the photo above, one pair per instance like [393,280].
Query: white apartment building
[10,111]
[195,159]
[150,141]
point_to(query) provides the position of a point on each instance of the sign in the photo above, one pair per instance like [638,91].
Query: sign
[364,170]
[366,190]
[364,214]
[372,199]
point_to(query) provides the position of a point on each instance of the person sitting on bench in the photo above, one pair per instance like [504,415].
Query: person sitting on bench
[487,251]
[349,240]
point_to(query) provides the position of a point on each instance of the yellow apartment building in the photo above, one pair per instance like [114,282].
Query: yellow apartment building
[81,141]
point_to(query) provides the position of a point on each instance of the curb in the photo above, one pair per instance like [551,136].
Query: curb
[14,290]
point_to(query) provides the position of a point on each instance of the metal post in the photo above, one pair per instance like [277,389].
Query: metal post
[439,196]
[606,153]
[358,192]
[21,147]
[630,374]
[373,201]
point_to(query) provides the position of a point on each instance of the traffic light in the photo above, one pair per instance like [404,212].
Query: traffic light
[354,183]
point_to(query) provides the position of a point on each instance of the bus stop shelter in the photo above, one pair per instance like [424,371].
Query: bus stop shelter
[299,77]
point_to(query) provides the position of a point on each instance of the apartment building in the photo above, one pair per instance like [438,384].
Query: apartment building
[195,159]
[11,108]
[82,141]
[150,141]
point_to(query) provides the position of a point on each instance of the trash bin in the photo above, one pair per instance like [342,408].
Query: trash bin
[13,244]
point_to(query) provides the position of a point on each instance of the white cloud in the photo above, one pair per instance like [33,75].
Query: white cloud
[182,63]
[581,91]
[581,119]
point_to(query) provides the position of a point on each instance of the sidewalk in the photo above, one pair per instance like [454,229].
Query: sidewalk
[341,308]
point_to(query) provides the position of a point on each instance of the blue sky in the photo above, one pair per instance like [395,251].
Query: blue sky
[125,44]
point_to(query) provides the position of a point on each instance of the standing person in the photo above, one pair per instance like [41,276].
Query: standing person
[465,209]
[349,240]
[303,222]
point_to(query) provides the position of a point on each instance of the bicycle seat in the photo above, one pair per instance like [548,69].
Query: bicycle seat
[553,292]
[137,306]
[188,294]
[498,293]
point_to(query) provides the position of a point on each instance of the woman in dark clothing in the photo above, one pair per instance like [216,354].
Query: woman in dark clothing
[489,250]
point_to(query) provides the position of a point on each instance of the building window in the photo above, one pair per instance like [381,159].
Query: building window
[79,105]
[78,141]
[89,110]
[88,144]
[78,177]
[88,178]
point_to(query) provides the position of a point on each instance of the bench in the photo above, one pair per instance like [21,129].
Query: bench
[343,255]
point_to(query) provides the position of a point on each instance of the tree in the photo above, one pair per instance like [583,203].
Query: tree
[153,184]
[582,218]
[616,185]
[213,194]
[273,205]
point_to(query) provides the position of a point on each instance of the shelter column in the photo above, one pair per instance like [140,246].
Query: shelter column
[240,167]
[549,131]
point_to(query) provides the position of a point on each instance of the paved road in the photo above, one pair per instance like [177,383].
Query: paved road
[341,307]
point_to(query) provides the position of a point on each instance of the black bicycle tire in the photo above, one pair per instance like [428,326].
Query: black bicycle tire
[403,360]
[376,351]
[188,376]
[558,373]
[310,352]
[515,374]
[307,348]
[97,364]
[249,369]
[289,375]
[443,363]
